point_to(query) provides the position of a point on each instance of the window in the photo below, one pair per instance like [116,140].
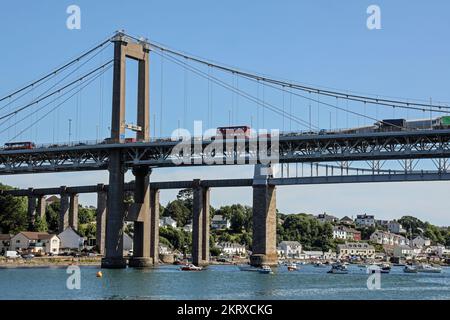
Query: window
[17,241]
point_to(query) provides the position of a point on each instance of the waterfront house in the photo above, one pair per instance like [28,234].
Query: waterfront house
[420,242]
[356,249]
[167,221]
[219,222]
[231,248]
[395,227]
[388,238]
[313,255]
[36,242]
[403,251]
[5,242]
[324,217]
[71,239]
[290,249]
[365,220]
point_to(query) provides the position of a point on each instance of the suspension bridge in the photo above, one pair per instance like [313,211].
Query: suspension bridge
[411,144]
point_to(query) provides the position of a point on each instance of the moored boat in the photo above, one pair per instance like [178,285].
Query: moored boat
[292,267]
[338,268]
[319,265]
[426,268]
[191,267]
[265,270]
[410,269]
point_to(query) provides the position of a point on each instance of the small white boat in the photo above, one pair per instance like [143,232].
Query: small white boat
[410,269]
[338,268]
[426,268]
[292,267]
[265,270]
[191,267]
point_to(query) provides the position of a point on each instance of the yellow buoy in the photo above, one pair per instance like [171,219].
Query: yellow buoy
[99,274]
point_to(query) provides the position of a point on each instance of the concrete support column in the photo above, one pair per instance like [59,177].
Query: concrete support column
[63,210]
[73,211]
[154,225]
[31,210]
[200,225]
[264,251]
[102,198]
[41,206]
[116,209]
[141,213]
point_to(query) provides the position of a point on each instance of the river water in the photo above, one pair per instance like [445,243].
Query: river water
[220,282]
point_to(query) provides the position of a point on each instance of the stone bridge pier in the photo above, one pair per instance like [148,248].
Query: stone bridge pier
[264,250]
[68,211]
[200,224]
[102,198]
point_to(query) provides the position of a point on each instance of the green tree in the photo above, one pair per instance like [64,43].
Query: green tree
[40,224]
[179,212]
[13,212]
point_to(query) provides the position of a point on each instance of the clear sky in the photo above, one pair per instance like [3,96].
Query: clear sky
[326,43]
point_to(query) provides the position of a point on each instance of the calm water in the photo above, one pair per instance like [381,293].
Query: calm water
[220,282]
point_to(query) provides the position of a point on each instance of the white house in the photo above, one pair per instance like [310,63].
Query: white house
[403,251]
[220,222]
[355,249]
[5,242]
[167,221]
[290,249]
[395,227]
[364,220]
[70,239]
[420,242]
[339,232]
[324,217]
[230,248]
[438,250]
[35,242]
[387,238]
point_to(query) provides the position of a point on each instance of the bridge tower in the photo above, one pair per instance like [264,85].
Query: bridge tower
[139,212]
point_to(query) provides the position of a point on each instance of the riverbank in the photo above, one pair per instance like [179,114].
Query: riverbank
[49,262]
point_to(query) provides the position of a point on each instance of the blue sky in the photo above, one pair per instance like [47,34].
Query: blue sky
[325,43]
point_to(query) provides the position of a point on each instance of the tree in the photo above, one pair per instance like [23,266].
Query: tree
[186,196]
[86,215]
[40,224]
[52,216]
[179,212]
[13,212]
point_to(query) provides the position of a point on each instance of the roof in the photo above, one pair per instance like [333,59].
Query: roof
[346,218]
[36,235]
[291,243]
[218,217]
[4,237]
[73,230]
[356,245]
